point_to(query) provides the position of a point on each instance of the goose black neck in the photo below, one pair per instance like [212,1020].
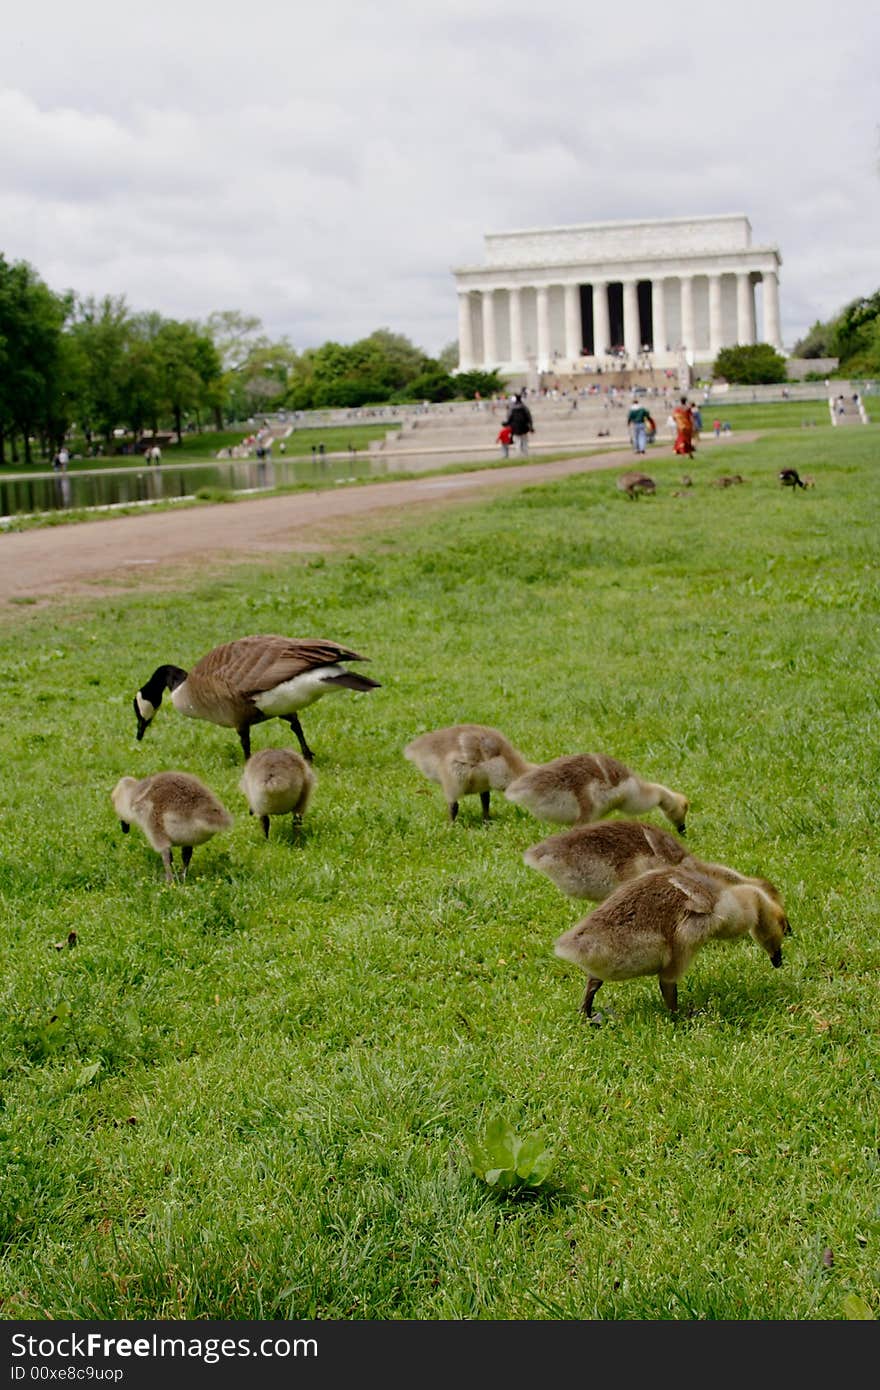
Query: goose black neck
[163,678]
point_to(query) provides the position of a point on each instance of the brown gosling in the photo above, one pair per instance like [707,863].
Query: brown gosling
[587,786]
[252,679]
[277,781]
[592,860]
[655,924]
[728,480]
[467,760]
[171,808]
[633,484]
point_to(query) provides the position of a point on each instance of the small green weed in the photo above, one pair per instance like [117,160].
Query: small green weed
[505,1160]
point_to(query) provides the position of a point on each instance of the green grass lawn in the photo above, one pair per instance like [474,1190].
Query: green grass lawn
[247,1096]
[767,415]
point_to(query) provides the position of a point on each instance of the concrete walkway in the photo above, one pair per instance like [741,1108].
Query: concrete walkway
[155,549]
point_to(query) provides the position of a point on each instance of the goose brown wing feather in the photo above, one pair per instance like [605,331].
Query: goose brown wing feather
[251,665]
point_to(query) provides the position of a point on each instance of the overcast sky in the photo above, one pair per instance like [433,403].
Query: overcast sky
[324,165]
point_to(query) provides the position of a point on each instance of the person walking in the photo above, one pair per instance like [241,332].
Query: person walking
[519,419]
[637,420]
[684,424]
[505,439]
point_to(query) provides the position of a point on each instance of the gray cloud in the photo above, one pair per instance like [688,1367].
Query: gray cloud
[325,168]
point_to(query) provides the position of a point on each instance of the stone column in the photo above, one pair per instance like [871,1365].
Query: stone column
[543,310]
[490,347]
[601,322]
[772,333]
[658,314]
[632,333]
[573,328]
[715,333]
[745,309]
[688,330]
[517,340]
[465,333]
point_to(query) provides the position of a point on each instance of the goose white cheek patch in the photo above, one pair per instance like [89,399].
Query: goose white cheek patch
[145,709]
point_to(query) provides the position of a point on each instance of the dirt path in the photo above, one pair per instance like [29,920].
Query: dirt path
[157,549]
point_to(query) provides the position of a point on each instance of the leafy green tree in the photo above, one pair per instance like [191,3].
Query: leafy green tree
[257,373]
[448,356]
[856,336]
[816,343]
[433,384]
[34,368]
[188,368]
[750,364]
[102,334]
[487,383]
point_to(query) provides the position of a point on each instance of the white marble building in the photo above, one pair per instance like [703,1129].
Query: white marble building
[564,298]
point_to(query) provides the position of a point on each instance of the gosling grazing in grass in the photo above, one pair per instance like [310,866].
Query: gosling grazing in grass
[467,760]
[655,924]
[728,480]
[277,781]
[252,679]
[587,786]
[171,808]
[592,860]
[634,484]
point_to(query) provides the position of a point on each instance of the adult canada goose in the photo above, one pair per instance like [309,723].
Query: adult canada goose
[275,781]
[587,786]
[655,924]
[789,477]
[633,484]
[252,679]
[590,861]
[467,760]
[171,808]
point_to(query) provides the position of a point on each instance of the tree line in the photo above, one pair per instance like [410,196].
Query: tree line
[70,362]
[852,335]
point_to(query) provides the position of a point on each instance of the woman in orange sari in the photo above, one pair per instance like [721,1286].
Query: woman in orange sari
[684,424]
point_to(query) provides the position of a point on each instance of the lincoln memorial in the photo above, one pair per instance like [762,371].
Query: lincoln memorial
[565,298]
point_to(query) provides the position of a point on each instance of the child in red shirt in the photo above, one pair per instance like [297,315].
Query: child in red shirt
[505,439]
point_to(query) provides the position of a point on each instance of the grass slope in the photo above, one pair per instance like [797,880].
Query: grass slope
[246,1097]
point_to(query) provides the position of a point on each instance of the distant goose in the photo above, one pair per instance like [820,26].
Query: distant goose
[789,477]
[587,786]
[467,760]
[728,480]
[590,861]
[171,808]
[634,484]
[277,781]
[655,924]
[250,680]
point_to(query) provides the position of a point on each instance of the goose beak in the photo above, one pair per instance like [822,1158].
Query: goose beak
[125,826]
[776,958]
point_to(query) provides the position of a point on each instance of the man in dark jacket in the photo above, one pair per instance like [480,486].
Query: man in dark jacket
[519,418]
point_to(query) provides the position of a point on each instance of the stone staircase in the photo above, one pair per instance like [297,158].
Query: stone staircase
[566,423]
[847,409]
